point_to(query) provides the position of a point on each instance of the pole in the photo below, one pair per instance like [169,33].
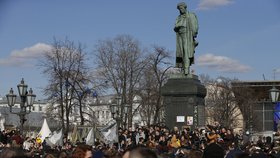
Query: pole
[117,131]
[22,119]
[263,116]
[251,122]
[22,113]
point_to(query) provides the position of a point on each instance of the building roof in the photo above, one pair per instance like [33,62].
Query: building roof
[34,119]
[3,100]
[260,89]
[264,83]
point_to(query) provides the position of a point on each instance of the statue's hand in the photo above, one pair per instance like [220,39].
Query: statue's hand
[195,43]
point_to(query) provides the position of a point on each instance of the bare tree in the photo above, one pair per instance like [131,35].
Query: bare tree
[205,79]
[66,69]
[153,79]
[221,102]
[246,99]
[121,62]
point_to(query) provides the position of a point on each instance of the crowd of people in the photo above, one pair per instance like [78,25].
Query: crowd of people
[148,142]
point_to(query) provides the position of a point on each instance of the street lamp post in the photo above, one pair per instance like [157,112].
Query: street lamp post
[274,95]
[27,100]
[116,110]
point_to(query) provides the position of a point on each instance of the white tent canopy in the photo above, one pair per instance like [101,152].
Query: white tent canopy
[45,131]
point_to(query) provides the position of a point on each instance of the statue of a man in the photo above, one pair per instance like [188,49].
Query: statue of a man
[186,29]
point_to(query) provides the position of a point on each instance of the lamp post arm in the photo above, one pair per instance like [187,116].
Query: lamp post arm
[11,110]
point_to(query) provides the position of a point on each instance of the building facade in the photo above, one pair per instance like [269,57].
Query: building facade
[97,112]
[34,119]
[263,114]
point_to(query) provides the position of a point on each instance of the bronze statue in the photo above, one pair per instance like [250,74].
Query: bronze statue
[186,28]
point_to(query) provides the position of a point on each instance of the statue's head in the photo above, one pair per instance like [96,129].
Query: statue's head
[181,4]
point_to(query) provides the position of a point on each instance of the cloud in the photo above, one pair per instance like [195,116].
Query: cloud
[208,4]
[31,52]
[23,56]
[221,63]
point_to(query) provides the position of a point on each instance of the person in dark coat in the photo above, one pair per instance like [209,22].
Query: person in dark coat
[234,151]
[213,150]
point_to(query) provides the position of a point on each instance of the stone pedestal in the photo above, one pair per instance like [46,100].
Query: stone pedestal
[184,102]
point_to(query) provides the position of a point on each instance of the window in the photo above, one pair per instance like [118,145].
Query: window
[103,114]
[107,114]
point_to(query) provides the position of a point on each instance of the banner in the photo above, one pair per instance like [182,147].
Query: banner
[90,137]
[55,139]
[74,135]
[189,120]
[110,136]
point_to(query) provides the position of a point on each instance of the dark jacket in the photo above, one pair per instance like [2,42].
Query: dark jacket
[214,150]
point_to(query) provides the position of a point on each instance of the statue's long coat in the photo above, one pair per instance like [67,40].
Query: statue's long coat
[185,39]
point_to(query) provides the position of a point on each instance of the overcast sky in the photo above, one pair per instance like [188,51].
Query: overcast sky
[237,38]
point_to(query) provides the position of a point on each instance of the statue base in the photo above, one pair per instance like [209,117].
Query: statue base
[184,101]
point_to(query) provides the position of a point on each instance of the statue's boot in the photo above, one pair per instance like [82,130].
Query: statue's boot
[187,70]
[179,65]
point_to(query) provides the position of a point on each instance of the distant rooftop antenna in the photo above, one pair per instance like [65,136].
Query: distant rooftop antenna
[263,77]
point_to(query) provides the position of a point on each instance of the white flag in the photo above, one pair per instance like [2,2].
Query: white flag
[90,137]
[2,122]
[45,131]
[111,135]
[55,139]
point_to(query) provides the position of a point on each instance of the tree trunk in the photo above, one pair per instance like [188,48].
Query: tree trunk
[62,105]
[81,112]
